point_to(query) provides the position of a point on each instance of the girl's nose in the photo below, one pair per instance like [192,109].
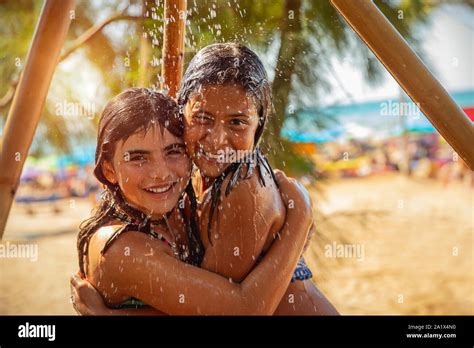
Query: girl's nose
[217,136]
[159,169]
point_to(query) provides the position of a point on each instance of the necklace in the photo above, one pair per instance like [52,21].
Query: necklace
[144,223]
[180,254]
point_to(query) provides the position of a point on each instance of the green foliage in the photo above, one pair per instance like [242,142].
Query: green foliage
[296,39]
[17,20]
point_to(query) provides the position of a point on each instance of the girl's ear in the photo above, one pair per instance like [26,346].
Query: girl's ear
[109,172]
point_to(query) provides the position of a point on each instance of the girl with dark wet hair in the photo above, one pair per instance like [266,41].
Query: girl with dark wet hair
[137,110]
[225,99]
[142,242]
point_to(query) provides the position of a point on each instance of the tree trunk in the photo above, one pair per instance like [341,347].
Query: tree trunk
[287,59]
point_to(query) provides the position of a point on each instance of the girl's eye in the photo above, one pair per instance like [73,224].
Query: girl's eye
[176,151]
[137,158]
[203,118]
[237,122]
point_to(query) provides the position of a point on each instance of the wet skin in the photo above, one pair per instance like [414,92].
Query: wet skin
[152,169]
[139,266]
[222,119]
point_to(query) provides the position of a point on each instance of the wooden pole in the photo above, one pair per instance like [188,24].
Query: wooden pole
[145,51]
[411,74]
[173,45]
[29,98]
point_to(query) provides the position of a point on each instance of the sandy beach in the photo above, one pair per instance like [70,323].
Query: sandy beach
[388,245]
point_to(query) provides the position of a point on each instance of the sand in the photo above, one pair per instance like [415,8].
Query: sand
[412,242]
[417,239]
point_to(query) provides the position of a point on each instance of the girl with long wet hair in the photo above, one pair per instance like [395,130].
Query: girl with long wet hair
[225,100]
[138,110]
[142,242]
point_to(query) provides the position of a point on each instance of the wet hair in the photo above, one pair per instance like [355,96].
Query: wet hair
[223,64]
[229,63]
[132,111]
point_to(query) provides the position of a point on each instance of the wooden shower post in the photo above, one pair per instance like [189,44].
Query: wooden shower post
[30,94]
[173,45]
[411,74]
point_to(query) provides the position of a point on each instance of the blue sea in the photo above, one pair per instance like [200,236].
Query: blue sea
[360,120]
[381,118]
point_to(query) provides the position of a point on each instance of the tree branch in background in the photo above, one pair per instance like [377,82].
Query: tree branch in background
[279,150]
[91,32]
[81,40]
[6,99]
[288,56]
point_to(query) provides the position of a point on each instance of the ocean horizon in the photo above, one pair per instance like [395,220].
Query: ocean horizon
[389,117]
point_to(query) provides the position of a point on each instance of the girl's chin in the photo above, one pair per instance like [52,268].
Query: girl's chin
[158,209]
[158,212]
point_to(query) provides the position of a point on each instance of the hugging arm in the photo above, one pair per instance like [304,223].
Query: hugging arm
[160,280]
[86,300]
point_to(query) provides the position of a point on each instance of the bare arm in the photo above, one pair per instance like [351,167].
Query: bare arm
[86,300]
[176,288]
[241,227]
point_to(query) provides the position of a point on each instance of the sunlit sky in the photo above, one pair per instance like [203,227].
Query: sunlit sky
[448,42]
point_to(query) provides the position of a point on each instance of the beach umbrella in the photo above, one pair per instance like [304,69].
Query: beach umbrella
[469,112]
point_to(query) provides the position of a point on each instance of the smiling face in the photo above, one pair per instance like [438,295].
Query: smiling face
[219,119]
[152,169]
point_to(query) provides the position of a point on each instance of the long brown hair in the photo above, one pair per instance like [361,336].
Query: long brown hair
[231,63]
[132,111]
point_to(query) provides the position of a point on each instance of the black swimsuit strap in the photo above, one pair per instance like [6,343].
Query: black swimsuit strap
[138,222]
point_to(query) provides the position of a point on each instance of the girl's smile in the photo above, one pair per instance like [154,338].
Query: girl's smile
[219,119]
[152,170]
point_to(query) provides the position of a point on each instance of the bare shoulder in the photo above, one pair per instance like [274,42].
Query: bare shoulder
[100,238]
[249,197]
[247,187]
[130,243]
[130,250]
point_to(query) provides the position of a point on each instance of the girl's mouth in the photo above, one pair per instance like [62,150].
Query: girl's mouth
[210,157]
[160,191]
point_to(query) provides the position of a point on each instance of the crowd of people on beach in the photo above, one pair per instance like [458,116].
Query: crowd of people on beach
[51,187]
[420,156]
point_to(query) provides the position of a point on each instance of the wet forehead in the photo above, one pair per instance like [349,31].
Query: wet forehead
[153,139]
[224,99]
